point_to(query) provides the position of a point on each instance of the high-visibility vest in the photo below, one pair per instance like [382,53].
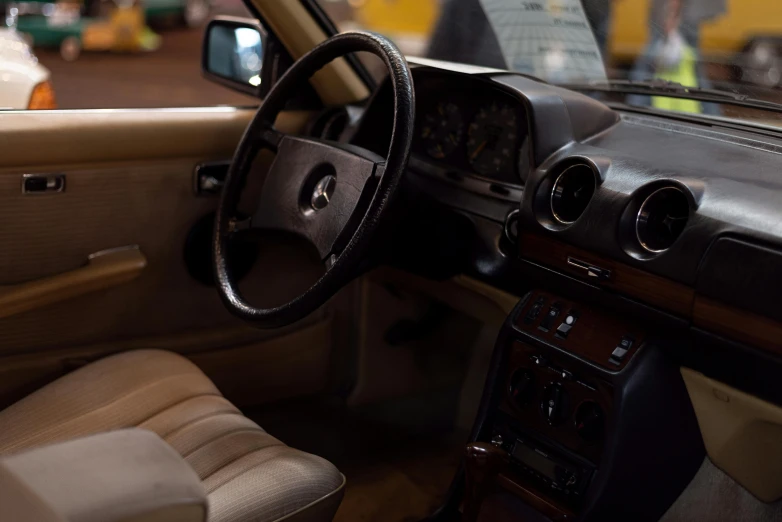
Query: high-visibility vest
[685,74]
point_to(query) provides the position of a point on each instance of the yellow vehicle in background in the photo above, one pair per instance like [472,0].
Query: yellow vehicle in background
[748,34]
[408,22]
[405,17]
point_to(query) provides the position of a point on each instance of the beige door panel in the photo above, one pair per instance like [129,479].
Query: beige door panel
[742,434]
[94,137]
[129,181]
[102,270]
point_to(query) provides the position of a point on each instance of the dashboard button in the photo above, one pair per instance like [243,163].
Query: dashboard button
[563,330]
[619,353]
[534,310]
[552,314]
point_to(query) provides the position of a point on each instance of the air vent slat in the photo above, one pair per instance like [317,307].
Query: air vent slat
[572,192]
[661,219]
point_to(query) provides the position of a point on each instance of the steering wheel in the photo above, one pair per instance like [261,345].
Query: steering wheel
[334,195]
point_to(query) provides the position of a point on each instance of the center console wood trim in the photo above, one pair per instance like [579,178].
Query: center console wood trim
[737,324]
[650,288]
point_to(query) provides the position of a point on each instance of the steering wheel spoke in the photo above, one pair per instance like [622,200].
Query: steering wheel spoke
[269,138]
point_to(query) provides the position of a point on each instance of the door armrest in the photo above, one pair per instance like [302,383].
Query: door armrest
[120,476]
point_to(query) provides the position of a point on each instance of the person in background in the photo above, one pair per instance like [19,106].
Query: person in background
[672,53]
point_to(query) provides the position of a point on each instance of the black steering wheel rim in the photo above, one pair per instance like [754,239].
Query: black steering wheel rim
[341,266]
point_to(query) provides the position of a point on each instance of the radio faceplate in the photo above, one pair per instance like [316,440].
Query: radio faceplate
[562,477]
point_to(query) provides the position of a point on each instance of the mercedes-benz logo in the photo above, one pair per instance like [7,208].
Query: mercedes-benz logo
[321,194]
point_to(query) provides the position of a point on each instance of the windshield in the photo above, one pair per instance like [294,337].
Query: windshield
[730,46]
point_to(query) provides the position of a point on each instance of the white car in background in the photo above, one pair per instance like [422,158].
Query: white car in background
[24,83]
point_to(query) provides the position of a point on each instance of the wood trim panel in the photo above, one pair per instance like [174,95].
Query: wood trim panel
[737,324]
[652,289]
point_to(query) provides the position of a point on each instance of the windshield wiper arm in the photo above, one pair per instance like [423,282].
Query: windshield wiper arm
[675,90]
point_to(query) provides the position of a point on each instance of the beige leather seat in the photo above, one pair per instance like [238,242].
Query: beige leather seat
[248,474]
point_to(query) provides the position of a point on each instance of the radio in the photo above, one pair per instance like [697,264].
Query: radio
[553,471]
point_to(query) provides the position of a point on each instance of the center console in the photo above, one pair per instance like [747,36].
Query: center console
[588,411]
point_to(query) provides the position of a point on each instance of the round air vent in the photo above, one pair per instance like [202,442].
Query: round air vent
[661,219]
[572,192]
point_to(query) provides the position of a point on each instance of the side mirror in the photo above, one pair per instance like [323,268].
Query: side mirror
[233,54]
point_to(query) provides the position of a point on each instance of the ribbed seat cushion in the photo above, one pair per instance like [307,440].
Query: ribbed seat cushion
[248,474]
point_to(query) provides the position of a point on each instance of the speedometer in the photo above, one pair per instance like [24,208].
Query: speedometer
[492,138]
[442,129]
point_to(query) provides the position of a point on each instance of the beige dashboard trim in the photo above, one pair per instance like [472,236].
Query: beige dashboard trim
[742,434]
[103,270]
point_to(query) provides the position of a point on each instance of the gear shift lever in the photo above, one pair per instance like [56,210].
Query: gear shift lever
[483,463]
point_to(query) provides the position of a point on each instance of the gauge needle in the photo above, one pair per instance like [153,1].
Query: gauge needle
[477,150]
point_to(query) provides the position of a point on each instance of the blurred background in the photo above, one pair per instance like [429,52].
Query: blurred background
[146,53]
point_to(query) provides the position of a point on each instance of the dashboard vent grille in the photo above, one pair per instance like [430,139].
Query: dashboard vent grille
[661,219]
[572,192]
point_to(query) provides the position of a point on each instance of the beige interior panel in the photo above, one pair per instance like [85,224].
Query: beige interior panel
[337,83]
[742,434]
[282,366]
[129,181]
[386,371]
[34,140]
[102,270]
[249,366]
[151,205]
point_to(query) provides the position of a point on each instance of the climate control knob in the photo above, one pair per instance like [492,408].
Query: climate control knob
[522,386]
[555,405]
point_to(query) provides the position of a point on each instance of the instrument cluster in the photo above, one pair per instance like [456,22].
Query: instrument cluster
[475,129]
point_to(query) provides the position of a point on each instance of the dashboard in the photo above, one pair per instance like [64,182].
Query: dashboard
[645,247]
[677,216]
